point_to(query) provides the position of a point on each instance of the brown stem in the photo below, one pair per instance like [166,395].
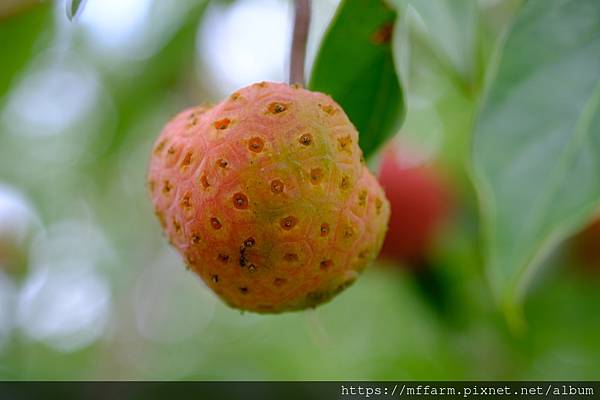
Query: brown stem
[298,51]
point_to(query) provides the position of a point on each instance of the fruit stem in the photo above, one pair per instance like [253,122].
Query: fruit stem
[298,50]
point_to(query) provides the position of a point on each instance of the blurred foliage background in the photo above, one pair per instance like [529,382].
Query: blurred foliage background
[89,289]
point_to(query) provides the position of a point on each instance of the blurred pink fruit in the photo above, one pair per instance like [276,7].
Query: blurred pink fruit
[420,203]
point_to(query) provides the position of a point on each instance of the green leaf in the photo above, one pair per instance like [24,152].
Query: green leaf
[355,66]
[75,8]
[536,148]
[20,35]
[449,27]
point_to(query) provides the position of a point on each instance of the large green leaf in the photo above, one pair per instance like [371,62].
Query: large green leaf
[537,140]
[355,66]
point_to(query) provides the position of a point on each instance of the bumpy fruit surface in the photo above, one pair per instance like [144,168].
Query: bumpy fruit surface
[266,197]
[420,204]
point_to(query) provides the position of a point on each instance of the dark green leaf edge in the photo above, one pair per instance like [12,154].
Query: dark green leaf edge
[371,152]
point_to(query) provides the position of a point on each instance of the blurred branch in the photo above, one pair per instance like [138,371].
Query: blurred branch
[300,35]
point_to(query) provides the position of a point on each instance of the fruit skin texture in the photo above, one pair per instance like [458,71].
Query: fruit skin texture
[266,197]
[420,205]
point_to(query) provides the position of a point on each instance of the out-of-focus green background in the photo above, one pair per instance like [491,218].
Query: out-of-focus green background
[89,288]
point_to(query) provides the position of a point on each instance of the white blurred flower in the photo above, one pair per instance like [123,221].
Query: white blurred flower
[18,221]
[66,308]
[245,42]
[65,300]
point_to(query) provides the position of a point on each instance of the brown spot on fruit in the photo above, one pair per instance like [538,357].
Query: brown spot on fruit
[276,108]
[151,185]
[160,146]
[187,160]
[345,182]
[279,282]
[167,186]
[290,257]
[204,182]
[276,186]
[345,144]
[240,201]
[316,176]
[192,122]
[326,264]
[196,239]
[224,258]
[221,163]
[215,223]
[252,268]
[234,96]
[248,243]
[327,109]
[378,205]
[349,232]
[214,278]
[176,226]
[198,111]
[256,144]
[362,198]
[244,290]
[171,150]
[222,123]
[324,229]
[363,254]
[306,139]
[288,222]
[186,202]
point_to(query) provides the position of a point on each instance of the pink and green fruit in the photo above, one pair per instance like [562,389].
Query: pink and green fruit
[420,203]
[267,198]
